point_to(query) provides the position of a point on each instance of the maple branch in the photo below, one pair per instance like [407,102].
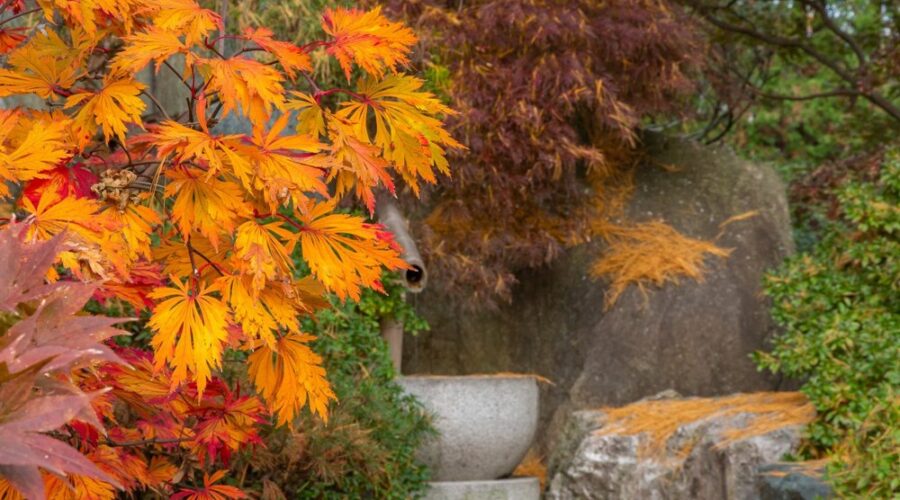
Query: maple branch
[109,442]
[312,83]
[20,14]
[194,271]
[156,102]
[176,73]
[293,222]
[192,250]
[312,45]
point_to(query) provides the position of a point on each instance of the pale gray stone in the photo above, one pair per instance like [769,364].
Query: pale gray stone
[609,466]
[520,488]
[485,424]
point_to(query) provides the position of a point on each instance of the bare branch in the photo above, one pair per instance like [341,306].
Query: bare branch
[808,97]
[792,43]
[843,35]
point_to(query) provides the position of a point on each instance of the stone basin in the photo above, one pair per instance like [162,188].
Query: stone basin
[486,423]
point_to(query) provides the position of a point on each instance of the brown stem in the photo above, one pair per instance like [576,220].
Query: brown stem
[875,98]
[158,105]
[20,14]
[109,442]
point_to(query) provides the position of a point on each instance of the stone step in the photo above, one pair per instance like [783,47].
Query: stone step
[519,488]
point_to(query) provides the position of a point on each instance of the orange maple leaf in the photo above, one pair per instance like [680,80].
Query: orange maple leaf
[189,331]
[285,166]
[360,166]
[343,251]
[184,144]
[368,39]
[210,490]
[261,253]
[10,38]
[155,44]
[262,313]
[185,18]
[291,57]
[207,204]
[406,128]
[43,66]
[111,107]
[246,84]
[37,150]
[289,376]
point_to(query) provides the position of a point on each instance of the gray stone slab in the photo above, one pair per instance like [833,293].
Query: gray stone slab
[520,488]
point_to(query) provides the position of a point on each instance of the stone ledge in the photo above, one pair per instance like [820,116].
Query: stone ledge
[520,488]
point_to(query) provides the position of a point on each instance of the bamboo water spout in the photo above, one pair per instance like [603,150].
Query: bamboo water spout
[415,278]
[390,216]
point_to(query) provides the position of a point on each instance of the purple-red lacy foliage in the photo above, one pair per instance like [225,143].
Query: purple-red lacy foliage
[548,91]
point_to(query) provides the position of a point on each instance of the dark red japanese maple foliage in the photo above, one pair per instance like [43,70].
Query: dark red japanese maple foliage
[550,95]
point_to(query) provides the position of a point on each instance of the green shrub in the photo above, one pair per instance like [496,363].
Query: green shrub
[840,306]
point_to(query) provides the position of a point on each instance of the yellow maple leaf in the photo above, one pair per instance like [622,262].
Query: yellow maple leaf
[261,314]
[406,128]
[368,39]
[111,107]
[155,45]
[136,222]
[185,144]
[189,331]
[37,147]
[344,252]
[290,375]
[43,66]
[310,115]
[207,204]
[246,84]
[261,252]
[185,18]
[285,166]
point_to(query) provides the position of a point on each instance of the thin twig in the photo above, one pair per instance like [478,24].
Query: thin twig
[158,105]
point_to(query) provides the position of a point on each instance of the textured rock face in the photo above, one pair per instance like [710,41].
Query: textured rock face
[694,337]
[784,481]
[695,464]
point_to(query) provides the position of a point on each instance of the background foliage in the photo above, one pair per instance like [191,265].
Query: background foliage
[812,86]
[840,306]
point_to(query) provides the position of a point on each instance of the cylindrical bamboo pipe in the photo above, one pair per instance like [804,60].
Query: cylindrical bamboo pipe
[390,216]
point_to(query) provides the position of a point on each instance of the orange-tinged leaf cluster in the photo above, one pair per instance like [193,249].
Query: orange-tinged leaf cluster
[211,232]
[367,39]
[289,376]
[190,331]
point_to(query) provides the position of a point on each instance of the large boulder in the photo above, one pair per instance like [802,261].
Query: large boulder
[701,458]
[695,337]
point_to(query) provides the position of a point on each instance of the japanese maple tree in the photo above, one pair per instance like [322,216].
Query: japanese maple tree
[205,229]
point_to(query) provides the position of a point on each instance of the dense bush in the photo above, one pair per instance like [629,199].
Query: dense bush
[366,449]
[840,306]
[549,96]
